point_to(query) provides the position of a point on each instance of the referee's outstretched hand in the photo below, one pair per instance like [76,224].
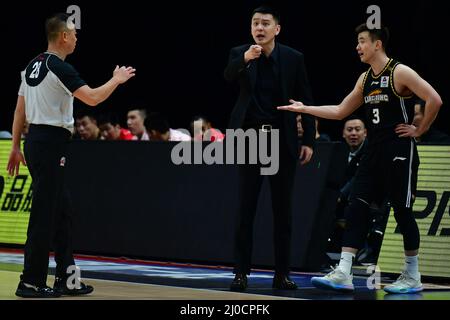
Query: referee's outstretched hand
[15,158]
[122,74]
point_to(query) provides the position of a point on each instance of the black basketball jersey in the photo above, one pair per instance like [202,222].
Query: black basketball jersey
[384,107]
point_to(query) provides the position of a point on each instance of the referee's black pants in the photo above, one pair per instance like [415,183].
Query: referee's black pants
[50,217]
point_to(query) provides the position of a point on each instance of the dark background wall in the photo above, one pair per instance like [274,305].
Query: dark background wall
[181,49]
[129,199]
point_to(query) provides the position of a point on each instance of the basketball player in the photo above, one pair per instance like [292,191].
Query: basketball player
[386,90]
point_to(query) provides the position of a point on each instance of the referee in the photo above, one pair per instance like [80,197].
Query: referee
[45,100]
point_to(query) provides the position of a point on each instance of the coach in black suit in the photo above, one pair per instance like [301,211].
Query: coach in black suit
[269,75]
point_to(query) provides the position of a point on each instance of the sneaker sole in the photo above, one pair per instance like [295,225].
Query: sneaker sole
[79,293]
[328,285]
[23,294]
[403,290]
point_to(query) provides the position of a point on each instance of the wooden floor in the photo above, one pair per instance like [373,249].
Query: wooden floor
[117,290]
[171,284]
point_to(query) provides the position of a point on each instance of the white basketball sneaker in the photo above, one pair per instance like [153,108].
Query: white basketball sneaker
[335,280]
[405,284]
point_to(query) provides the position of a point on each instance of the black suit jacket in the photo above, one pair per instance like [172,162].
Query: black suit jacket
[350,171]
[294,85]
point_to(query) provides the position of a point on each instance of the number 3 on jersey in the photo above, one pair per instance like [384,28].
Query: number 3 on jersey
[376,115]
[36,67]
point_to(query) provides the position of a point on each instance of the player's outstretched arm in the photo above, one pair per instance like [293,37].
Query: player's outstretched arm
[336,112]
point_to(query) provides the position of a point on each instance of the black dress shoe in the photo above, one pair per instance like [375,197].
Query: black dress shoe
[239,283]
[26,290]
[283,282]
[60,287]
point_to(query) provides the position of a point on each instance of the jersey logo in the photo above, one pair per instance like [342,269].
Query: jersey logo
[384,82]
[376,96]
[399,158]
[374,82]
[36,71]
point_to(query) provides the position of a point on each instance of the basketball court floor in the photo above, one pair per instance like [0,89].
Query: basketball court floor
[127,279]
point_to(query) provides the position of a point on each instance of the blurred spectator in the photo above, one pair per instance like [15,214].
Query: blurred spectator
[135,123]
[321,136]
[354,134]
[26,126]
[86,126]
[299,126]
[202,130]
[433,135]
[5,135]
[158,129]
[110,128]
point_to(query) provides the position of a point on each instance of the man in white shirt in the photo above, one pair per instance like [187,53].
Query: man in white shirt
[45,101]
[158,129]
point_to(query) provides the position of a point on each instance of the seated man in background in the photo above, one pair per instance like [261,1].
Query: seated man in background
[300,129]
[322,137]
[86,126]
[5,134]
[433,135]
[158,129]
[110,128]
[355,134]
[202,130]
[135,123]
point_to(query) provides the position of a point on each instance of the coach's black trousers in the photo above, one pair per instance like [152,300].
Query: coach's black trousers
[50,217]
[281,188]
